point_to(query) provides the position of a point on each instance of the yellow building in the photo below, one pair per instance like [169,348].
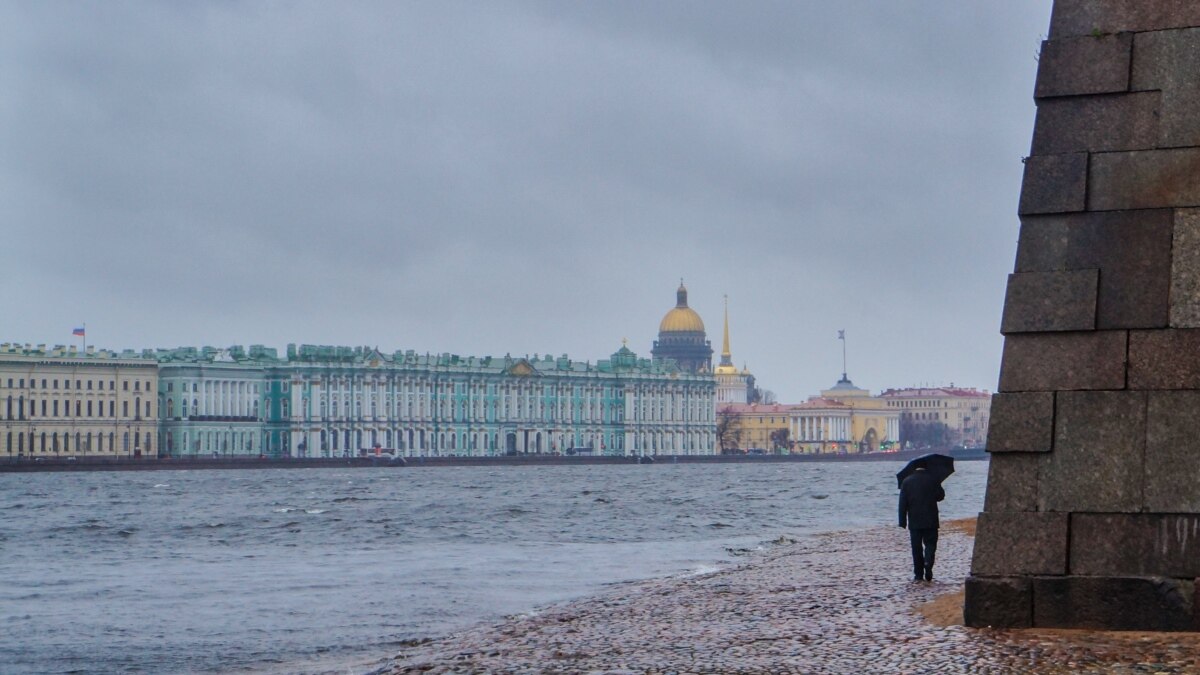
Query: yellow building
[874,424]
[844,419]
[941,415]
[69,403]
[747,427]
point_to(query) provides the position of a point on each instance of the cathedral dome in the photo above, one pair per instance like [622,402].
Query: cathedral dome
[681,319]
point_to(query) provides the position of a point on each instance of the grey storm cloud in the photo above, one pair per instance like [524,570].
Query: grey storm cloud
[520,177]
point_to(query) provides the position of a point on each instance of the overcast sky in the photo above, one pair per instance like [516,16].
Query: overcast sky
[521,177]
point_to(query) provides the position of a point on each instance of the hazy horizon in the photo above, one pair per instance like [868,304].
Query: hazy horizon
[526,177]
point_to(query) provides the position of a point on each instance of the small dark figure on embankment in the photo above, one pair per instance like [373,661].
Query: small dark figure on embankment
[919,495]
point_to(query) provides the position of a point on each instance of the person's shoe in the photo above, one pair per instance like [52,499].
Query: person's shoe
[928,574]
[917,577]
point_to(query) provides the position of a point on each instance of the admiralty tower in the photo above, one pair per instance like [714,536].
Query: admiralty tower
[681,337]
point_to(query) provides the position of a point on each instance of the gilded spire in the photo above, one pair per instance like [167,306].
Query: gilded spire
[726,356]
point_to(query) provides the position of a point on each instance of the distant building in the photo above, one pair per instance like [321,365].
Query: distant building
[681,337]
[325,401]
[873,424]
[733,386]
[69,403]
[941,415]
[218,402]
[843,419]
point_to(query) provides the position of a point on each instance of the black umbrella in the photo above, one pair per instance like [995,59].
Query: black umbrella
[938,466]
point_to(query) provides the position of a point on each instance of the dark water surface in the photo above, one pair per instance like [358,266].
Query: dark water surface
[201,571]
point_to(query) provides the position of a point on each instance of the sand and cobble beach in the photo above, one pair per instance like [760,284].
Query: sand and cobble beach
[836,603]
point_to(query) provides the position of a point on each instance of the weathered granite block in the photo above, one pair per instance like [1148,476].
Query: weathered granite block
[1164,359]
[1114,603]
[1050,301]
[1054,183]
[1012,482]
[1021,422]
[1044,242]
[1083,17]
[1063,361]
[1135,544]
[998,603]
[1168,61]
[1084,65]
[1132,250]
[1185,269]
[1097,123]
[1144,179]
[1020,542]
[1099,443]
[1173,453]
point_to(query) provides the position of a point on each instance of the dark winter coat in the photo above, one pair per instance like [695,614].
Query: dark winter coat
[919,495]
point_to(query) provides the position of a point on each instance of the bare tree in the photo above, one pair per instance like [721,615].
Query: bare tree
[779,439]
[766,396]
[729,429]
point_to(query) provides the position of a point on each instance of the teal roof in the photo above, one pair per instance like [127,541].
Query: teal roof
[623,361]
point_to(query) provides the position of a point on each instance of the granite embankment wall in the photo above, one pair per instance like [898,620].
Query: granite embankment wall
[203,463]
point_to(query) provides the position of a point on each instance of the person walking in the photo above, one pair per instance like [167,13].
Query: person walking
[919,495]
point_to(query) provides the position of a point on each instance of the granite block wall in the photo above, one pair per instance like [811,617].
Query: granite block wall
[1092,512]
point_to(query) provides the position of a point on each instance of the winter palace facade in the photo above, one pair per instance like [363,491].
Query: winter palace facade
[342,401]
[338,401]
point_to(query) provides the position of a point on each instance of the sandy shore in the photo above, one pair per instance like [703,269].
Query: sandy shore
[837,603]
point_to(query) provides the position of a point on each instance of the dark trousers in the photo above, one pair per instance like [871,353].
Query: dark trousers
[924,546]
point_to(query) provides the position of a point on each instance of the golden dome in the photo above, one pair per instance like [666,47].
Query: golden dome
[682,318]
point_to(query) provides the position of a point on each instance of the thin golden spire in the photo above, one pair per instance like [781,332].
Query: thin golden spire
[725,353]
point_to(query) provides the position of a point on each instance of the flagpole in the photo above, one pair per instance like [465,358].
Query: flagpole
[842,337]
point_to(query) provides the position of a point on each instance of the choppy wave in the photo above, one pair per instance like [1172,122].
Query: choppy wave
[278,566]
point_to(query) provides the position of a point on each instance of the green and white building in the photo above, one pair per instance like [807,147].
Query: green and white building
[323,401]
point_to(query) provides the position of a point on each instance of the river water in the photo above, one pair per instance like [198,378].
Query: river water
[262,570]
